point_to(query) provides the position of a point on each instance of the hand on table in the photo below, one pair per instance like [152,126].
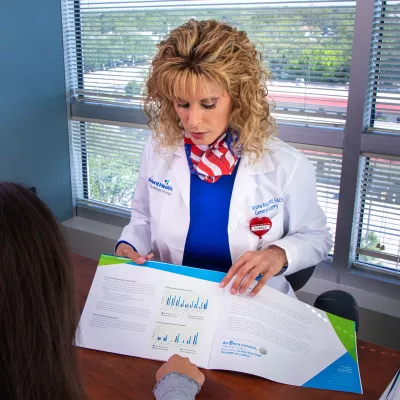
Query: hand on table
[268,262]
[183,366]
[124,250]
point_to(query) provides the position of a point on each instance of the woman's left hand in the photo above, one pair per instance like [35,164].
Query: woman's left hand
[268,262]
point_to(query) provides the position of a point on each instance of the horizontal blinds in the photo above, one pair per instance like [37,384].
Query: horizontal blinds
[328,167]
[379,214]
[384,86]
[307,47]
[106,162]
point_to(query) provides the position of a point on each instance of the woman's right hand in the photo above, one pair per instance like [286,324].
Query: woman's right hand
[124,250]
[183,366]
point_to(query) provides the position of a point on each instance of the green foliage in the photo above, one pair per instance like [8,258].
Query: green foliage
[111,181]
[320,48]
[369,241]
[113,173]
[134,88]
[111,39]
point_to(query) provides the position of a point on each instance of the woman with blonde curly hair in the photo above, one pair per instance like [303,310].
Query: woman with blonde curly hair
[216,189]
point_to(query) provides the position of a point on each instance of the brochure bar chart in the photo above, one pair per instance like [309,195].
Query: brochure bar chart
[180,301]
[184,300]
[176,335]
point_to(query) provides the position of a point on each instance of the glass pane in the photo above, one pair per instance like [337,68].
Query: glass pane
[385,74]
[306,46]
[328,169]
[379,217]
[110,157]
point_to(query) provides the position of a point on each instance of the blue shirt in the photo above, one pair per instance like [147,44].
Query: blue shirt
[207,243]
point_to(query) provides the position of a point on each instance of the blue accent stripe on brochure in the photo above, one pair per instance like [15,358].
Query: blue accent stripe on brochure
[342,375]
[204,274]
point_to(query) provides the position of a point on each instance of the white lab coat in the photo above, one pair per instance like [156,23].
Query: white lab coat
[282,187]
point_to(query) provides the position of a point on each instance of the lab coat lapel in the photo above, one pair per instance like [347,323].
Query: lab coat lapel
[181,172]
[245,184]
[246,179]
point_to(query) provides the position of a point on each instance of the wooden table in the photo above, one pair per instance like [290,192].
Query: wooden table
[116,377]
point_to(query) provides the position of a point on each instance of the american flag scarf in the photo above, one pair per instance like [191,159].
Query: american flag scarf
[210,162]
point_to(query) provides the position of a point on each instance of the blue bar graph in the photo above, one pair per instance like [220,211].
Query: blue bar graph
[171,334]
[188,341]
[175,301]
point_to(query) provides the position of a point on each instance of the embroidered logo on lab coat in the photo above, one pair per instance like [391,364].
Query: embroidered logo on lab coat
[272,206]
[163,187]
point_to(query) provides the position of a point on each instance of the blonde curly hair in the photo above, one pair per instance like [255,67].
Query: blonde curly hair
[220,53]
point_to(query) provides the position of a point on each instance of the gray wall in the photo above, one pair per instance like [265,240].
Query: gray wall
[33,117]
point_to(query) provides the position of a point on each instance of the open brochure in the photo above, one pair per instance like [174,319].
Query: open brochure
[156,310]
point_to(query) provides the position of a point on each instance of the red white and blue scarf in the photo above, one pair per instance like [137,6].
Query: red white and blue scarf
[210,162]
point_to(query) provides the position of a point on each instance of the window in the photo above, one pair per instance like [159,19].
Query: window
[106,162]
[306,45]
[378,212]
[378,241]
[328,168]
[385,72]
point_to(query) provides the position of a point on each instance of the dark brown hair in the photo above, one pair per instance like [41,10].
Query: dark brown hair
[38,313]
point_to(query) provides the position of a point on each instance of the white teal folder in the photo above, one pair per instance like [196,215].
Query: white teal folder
[155,310]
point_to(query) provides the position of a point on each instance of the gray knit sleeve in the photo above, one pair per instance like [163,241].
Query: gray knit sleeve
[175,386]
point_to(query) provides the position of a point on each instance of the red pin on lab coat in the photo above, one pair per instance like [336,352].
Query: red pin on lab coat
[260,226]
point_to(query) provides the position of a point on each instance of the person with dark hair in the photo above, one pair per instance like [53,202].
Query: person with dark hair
[38,310]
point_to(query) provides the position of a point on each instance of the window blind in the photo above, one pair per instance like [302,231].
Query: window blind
[328,167]
[378,228]
[306,45]
[384,86]
[106,163]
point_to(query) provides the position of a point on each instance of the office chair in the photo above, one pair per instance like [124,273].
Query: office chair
[337,302]
[340,303]
[300,278]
